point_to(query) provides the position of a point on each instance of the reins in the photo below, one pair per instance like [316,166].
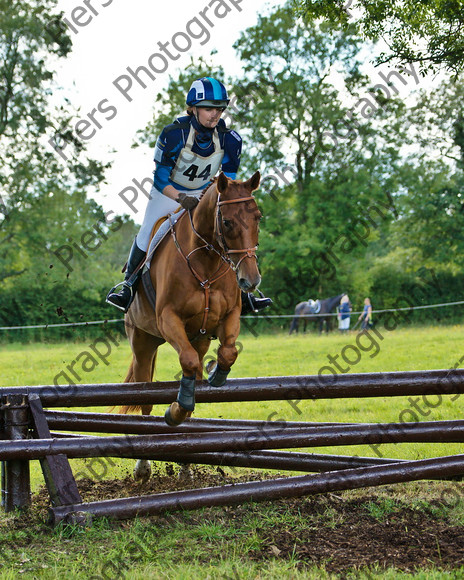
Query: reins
[224,255]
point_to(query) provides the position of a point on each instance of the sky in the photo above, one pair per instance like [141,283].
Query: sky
[110,36]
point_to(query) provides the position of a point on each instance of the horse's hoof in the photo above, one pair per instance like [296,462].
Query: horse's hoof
[142,471]
[175,414]
[210,365]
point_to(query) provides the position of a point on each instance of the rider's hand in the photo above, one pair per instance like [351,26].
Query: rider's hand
[187,201]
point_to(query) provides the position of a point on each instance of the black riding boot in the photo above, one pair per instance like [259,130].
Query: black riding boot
[123,298]
[252,304]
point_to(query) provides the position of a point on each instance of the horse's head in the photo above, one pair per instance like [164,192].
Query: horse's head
[237,226]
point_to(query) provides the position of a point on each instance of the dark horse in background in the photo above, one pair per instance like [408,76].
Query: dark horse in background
[311,311]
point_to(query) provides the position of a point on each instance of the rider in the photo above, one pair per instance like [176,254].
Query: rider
[188,154]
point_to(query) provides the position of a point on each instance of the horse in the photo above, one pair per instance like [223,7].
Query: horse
[314,310]
[196,273]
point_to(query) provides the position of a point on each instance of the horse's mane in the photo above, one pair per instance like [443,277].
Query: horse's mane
[205,189]
[213,182]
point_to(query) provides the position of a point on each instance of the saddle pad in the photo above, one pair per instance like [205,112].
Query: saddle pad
[159,235]
[315,308]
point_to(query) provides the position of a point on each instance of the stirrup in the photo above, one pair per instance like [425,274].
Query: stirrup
[252,304]
[112,291]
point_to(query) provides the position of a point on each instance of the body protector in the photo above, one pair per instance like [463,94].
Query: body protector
[193,171]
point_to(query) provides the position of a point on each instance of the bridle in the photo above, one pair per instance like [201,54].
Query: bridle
[224,254]
[248,252]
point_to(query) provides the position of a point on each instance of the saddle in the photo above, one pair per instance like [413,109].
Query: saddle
[314,306]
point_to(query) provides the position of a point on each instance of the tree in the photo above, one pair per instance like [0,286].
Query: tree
[308,112]
[429,32]
[430,202]
[31,40]
[43,200]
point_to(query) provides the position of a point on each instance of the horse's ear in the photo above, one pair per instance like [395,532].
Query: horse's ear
[253,182]
[222,182]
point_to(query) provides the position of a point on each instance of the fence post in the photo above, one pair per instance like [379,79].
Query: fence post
[56,470]
[16,487]
[2,463]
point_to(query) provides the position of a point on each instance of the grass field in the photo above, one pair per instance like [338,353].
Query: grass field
[214,543]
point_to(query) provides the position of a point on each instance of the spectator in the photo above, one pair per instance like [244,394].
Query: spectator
[344,312]
[366,315]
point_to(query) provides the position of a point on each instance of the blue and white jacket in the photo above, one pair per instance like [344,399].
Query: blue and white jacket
[173,139]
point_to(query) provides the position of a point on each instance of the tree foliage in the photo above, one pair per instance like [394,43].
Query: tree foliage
[361,193]
[298,108]
[429,32]
[44,204]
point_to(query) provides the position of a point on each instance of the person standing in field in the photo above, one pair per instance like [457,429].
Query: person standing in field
[344,312]
[366,315]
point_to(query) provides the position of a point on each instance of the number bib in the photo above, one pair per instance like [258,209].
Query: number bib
[194,171]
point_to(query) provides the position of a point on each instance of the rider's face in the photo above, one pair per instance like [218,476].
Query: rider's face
[209,116]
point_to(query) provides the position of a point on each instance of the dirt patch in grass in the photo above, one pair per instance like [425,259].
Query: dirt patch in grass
[352,539]
[341,533]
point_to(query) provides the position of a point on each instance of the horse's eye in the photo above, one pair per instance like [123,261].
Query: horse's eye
[227,224]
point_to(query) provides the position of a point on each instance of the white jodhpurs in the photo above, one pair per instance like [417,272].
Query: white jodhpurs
[158,206]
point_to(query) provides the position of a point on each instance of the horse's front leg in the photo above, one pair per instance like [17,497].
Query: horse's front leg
[173,330]
[227,352]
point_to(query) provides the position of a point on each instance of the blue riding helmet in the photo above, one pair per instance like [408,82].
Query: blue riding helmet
[207,92]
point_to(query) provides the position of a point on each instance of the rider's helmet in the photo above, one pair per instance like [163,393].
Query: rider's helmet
[207,92]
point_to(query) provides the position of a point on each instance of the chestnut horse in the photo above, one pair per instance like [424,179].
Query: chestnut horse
[197,273]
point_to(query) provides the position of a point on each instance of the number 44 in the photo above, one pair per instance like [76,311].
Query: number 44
[192,171]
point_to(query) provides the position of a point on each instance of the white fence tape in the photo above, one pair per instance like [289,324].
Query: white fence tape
[265,315]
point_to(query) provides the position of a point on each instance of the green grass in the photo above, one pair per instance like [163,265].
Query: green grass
[197,546]
[409,349]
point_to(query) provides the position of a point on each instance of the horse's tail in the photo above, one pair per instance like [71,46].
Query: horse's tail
[130,379]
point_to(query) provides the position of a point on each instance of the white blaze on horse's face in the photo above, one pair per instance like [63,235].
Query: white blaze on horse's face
[239,226]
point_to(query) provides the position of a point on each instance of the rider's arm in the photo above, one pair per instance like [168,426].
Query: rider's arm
[167,149]
[232,153]
[171,192]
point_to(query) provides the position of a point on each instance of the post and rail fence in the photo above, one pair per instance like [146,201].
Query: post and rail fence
[33,426]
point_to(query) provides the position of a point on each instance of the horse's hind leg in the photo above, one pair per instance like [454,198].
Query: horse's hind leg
[144,349]
[294,325]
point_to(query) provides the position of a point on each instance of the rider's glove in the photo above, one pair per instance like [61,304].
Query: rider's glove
[187,201]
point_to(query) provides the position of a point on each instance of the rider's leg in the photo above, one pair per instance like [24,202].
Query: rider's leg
[158,206]
[123,298]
